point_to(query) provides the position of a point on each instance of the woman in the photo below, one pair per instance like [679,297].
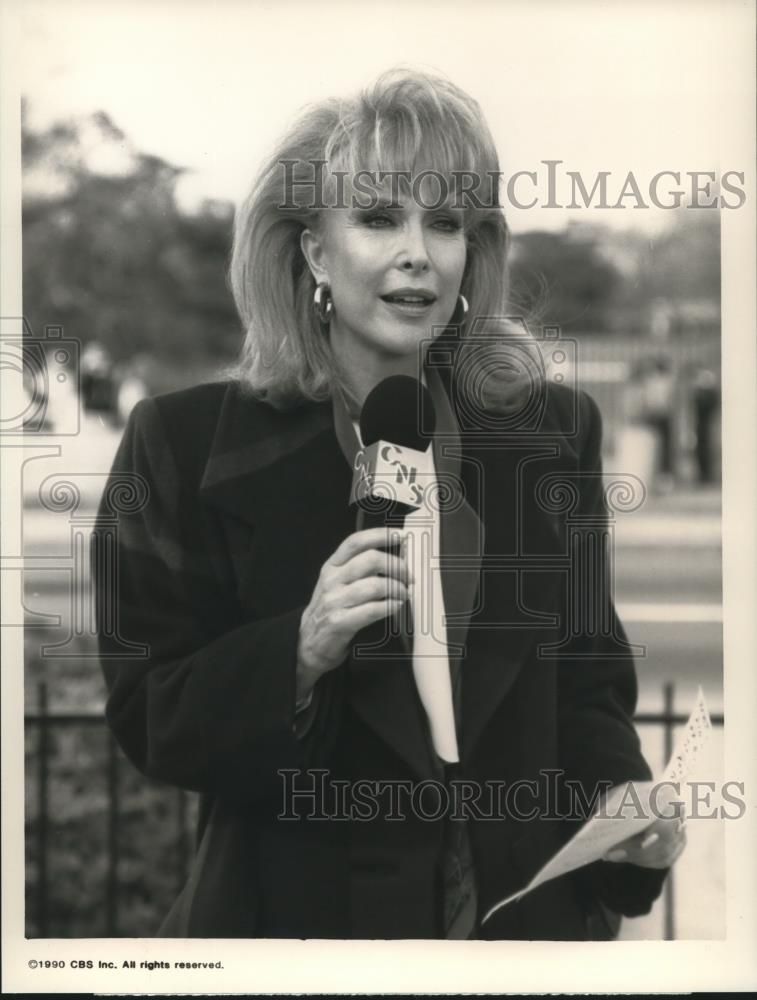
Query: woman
[252,591]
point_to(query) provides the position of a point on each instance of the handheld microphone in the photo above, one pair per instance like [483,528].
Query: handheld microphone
[392,469]
[391,474]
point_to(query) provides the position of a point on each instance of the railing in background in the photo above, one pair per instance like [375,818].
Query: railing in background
[605,363]
[43,720]
[669,719]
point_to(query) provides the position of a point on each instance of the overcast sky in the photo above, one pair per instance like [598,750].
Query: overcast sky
[634,86]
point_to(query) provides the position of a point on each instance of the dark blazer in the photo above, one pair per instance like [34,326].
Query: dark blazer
[216,559]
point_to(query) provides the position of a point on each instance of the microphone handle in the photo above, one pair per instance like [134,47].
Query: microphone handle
[392,516]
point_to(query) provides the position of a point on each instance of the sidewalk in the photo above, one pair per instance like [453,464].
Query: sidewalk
[686,516]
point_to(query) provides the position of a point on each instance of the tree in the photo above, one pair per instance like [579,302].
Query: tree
[110,257]
[563,278]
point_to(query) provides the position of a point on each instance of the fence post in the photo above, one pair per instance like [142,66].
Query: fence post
[669,892]
[182,841]
[111,897]
[42,786]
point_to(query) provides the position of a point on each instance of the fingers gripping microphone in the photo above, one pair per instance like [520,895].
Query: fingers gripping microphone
[391,470]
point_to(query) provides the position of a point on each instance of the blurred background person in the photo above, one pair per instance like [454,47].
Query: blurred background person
[657,394]
[97,384]
[637,440]
[648,425]
[705,398]
[132,379]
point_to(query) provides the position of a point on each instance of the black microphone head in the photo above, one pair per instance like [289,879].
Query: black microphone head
[400,410]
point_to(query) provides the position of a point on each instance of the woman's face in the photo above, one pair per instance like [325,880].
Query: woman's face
[394,272]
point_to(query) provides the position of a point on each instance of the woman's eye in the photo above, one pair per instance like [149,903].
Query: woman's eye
[447,225]
[378,220]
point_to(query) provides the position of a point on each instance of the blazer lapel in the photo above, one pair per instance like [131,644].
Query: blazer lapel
[462,531]
[281,482]
[483,662]
[519,601]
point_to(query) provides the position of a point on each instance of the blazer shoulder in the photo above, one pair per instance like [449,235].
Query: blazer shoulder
[190,417]
[574,413]
[197,404]
[184,419]
[571,406]
[193,427]
[167,437]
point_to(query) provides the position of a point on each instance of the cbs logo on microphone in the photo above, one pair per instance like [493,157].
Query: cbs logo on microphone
[389,477]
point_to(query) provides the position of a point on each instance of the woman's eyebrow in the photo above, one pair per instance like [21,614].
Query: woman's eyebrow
[375,202]
[448,205]
[385,202]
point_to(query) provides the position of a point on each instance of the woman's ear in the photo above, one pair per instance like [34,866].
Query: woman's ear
[311,244]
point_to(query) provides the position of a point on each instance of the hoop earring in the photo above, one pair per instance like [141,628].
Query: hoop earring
[323,305]
[460,314]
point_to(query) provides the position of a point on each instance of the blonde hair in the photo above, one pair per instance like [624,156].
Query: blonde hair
[405,121]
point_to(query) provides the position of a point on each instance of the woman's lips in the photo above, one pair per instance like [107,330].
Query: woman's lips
[411,303]
[409,308]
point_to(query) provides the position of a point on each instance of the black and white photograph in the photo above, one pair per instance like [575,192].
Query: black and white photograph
[378,481]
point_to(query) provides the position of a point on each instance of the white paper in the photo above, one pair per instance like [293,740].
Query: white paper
[626,810]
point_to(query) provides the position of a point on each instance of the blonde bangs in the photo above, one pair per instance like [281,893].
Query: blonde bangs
[408,125]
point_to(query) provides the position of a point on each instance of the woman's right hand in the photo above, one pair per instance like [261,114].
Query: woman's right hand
[361,583]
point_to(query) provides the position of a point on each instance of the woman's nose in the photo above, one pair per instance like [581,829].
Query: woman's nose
[414,253]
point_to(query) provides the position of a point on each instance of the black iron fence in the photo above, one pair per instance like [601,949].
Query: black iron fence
[106,830]
[177,811]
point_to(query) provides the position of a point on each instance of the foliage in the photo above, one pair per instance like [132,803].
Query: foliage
[592,279]
[110,256]
[564,281]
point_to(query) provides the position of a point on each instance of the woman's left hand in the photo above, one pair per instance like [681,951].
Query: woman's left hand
[659,845]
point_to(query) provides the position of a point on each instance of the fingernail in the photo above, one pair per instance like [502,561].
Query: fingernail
[649,840]
[617,855]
